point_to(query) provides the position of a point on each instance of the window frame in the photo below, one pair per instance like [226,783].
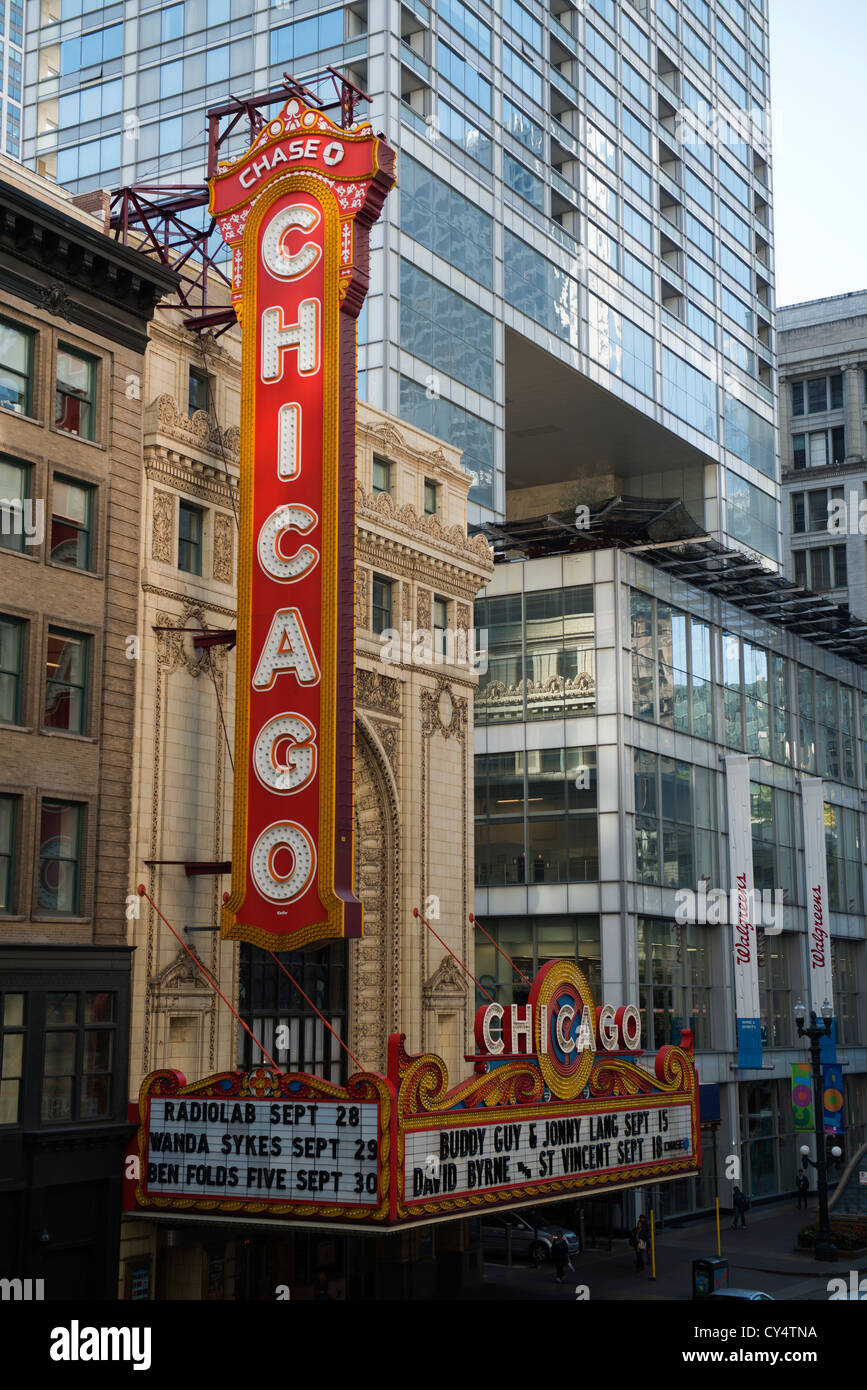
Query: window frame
[430,487]
[203,379]
[386,464]
[87,640]
[91,398]
[191,509]
[12,541]
[89,529]
[22,625]
[30,383]
[378,611]
[78,859]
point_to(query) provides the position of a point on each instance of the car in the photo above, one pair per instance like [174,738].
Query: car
[750,1295]
[529,1240]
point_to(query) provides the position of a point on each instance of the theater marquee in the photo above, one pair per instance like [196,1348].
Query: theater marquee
[296,211]
[405,1146]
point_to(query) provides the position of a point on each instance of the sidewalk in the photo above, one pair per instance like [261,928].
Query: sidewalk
[761,1256]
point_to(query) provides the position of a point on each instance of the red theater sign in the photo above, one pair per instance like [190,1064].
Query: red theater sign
[296,211]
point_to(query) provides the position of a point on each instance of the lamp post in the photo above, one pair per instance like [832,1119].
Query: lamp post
[824,1249]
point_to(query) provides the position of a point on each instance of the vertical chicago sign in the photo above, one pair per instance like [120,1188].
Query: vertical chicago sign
[296,211]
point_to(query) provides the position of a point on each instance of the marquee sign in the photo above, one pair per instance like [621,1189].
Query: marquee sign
[402,1147]
[296,211]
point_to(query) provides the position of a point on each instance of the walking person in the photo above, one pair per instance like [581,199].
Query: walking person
[739,1208]
[803,1190]
[640,1237]
[560,1256]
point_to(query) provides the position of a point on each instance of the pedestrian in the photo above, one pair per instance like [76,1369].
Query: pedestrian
[739,1208]
[639,1242]
[560,1256]
[803,1189]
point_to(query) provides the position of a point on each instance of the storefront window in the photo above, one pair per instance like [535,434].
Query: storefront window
[674,973]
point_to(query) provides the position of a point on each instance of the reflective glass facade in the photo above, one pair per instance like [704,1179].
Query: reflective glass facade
[621,148]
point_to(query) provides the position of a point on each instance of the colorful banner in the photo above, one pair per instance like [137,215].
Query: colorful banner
[296,211]
[802,1097]
[832,1098]
[745,943]
[821,986]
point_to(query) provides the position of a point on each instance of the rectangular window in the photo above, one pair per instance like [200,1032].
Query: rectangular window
[381,476]
[445,330]
[674,975]
[817,395]
[59,891]
[14,495]
[799,450]
[190,538]
[76,393]
[80,1034]
[199,393]
[66,681]
[16,368]
[382,603]
[442,219]
[440,625]
[11,668]
[466,78]
[11,1056]
[465,23]
[8,827]
[835,391]
[838,567]
[71,523]
[797,398]
[430,497]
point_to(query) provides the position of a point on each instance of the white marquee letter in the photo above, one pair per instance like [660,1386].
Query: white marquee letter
[287,648]
[271,559]
[277,336]
[295,738]
[289,441]
[274,250]
[283,887]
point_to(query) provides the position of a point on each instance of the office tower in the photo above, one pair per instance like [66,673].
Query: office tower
[575,284]
[823,397]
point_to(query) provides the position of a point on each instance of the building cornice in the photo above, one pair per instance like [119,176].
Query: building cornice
[70,270]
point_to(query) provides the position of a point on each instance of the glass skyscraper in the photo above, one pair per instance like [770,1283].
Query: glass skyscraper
[11,75]
[575,281]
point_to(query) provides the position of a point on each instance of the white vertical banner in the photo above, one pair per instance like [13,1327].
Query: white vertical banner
[816,877]
[743,924]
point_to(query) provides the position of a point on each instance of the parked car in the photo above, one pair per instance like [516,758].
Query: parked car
[750,1295]
[529,1241]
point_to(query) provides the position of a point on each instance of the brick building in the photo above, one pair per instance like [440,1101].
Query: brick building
[74,309]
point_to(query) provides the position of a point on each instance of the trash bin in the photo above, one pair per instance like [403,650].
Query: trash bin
[708,1275]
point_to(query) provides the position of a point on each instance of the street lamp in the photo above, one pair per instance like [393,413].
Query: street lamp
[824,1249]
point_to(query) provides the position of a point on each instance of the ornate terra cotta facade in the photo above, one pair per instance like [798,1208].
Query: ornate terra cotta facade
[414,755]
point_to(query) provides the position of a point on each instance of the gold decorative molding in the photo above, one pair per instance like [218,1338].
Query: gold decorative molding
[380,507]
[373,690]
[224,547]
[197,431]
[163,531]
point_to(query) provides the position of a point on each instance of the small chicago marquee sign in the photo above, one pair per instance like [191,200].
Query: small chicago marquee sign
[296,211]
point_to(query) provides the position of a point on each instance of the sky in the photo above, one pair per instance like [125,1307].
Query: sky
[819,122]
